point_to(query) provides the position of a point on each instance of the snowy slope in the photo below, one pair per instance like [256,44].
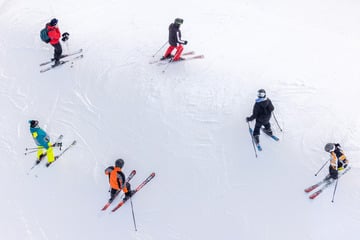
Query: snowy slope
[187,125]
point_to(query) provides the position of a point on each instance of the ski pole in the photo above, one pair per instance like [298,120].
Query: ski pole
[133,215]
[252,139]
[333,196]
[159,49]
[56,144]
[321,168]
[337,180]
[166,67]
[26,153]
[277,123]
[32,150]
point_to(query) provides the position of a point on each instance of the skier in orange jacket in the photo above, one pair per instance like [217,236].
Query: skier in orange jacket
[117,180]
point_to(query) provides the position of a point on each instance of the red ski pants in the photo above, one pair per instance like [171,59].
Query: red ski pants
[178,52]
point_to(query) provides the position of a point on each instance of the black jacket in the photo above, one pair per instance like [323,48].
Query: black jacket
[175,35]
[262,110]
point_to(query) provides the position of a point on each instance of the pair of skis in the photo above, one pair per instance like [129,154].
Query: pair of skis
[68,58]
[258,146]
[57,143]
[189,56]
[323,184]
[131,175]
[123,201]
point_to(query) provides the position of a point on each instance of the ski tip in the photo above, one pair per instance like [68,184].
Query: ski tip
[313,196]
[105,207]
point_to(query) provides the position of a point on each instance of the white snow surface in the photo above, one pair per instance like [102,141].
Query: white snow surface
[187,124]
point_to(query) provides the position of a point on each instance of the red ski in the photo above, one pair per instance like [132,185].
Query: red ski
[158,61]
[309,189]
[152,175]
[131,175]
[328,182]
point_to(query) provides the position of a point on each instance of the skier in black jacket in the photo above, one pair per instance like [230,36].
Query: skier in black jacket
[262,113]
[175,41]
[338,160]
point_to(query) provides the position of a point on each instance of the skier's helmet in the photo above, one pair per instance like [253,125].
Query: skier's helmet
[53,22]
[261,93]
[179,21]
[119,163]
[329,147]
[33,123]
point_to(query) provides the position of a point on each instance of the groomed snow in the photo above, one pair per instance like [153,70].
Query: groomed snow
[187,124]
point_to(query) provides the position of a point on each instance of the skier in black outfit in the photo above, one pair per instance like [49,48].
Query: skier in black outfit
[262,113]
[175,41]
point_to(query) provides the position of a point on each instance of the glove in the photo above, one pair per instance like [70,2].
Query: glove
[57,144]
[248,119]
[185,42]
[65,36]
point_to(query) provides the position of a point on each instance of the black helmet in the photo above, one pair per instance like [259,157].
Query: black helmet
[261,93]
[53,22]
[179,21]
[33,123]
[329,147]
[119,163]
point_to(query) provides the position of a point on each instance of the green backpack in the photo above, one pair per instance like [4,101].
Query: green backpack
[44,35]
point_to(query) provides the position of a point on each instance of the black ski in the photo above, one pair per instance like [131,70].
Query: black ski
[62,56]
[61,63]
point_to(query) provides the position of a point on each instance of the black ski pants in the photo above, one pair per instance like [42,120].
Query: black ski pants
[57,51]
[258,125]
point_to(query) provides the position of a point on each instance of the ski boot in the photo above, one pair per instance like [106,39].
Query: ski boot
[40,158]
[57,62]
[268,132]
[129,195]
[167,57]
